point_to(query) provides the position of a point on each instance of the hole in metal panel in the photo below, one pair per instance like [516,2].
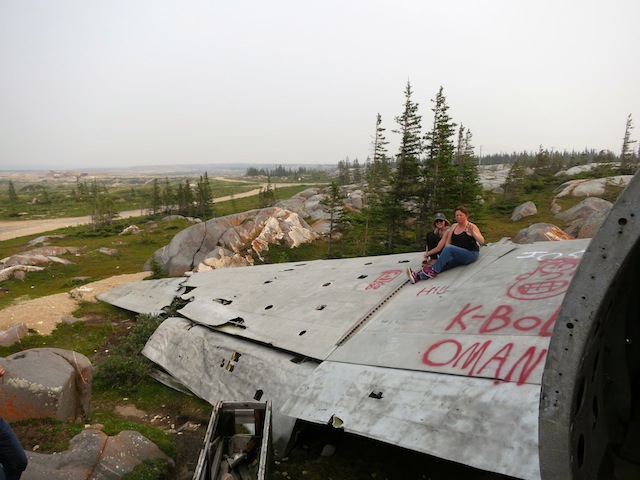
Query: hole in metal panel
[235,356]
[268,307]
[237,322]
[376,395]
[289,269]
[223,301]
[268,281]
[326,284]
[302,333]
[403,261]
[258,395]
[363,276]
[569,325]
[369,263]
[321,307]
[622,221]
[298,359]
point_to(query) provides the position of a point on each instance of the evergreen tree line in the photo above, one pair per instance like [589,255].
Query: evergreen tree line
[185,199]
[435,169]
[279,171]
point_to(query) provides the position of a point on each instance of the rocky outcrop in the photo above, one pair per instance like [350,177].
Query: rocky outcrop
[541,232]
[34,260]
[46,382]
[231,240]
[584,219]
[94,454]
[525,210]
[591,187]
[13,335]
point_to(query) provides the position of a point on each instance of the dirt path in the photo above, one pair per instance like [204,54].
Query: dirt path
[21,228]
[44,313]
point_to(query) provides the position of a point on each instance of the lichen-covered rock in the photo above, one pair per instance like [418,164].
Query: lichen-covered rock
[541,232]
[525,210]
[93,454]
[46,382]
[230,240]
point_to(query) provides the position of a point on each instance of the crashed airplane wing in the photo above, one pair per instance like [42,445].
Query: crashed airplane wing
[450,366]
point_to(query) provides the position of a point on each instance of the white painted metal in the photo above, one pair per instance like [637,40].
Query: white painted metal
[467,420]
[457,360]
[148,296]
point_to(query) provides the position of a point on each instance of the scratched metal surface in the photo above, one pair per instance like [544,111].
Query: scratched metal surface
[148,296]
[216,366]
[491,319]
[467,348]
[463,419]
[305,307]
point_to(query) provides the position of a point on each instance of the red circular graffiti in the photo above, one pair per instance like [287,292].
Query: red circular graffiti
[550,279]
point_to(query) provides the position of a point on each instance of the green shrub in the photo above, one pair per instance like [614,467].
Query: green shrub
[125,368]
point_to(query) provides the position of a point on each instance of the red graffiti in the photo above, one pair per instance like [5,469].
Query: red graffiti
[385,277]
[432,290]
[486,359]
[500,318]
[550,279]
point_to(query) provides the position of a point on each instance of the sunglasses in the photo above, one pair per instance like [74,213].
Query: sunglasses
[439,221]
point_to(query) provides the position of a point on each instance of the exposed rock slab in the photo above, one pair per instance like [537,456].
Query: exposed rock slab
[46,382]
[525,210]
[230,240]
[541,232]
[92,454]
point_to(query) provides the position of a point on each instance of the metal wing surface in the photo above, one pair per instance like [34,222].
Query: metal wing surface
[449,366]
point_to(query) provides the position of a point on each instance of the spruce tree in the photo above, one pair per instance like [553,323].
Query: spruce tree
[404,193]
[334,201]
[467,181]
[11,192]
[155,203]
[628,158]
[377,177]
[204,198]
[168,197]
[439,171]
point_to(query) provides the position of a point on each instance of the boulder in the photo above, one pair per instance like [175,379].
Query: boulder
[227,237]
[541,232]
[583,209]
[591,224]
[46,382]
[355,200]
[93,454]
[130,230]
[16,270]
[592,187]
[13,335]
[525,210]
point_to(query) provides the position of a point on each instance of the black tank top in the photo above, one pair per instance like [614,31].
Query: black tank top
[464,240]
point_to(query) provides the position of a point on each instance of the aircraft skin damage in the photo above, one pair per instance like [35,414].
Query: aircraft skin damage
[450,367]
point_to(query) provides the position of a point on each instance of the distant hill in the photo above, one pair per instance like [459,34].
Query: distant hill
[181,169]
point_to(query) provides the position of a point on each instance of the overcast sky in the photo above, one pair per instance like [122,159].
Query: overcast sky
[117,83]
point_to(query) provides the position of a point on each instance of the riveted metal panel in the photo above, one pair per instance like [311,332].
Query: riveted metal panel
[467,420]
[147,296]
[304,308]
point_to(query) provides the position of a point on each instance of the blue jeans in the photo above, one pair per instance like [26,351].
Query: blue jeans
[450,257]
[12,456]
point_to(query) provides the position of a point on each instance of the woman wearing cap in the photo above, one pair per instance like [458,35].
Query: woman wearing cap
[460,245]
[440,225]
